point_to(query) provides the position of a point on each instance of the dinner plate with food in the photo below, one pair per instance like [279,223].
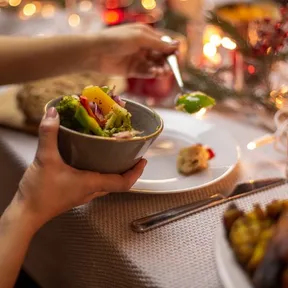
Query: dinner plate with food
[251,247]
[189,154]
[102,132]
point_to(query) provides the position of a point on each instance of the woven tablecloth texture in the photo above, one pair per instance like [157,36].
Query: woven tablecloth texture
[93,245]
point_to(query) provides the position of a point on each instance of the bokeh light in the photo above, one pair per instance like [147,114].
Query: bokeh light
[29,9]
[149,4]
[74,20]
[48,11]
[228,43]
[209,50]
[14,3]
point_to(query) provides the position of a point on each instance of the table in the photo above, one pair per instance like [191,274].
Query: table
[93,245]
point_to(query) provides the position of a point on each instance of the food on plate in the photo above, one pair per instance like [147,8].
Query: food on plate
[97,111]
[259,240]
[33,96]
[193,159]
[193,102]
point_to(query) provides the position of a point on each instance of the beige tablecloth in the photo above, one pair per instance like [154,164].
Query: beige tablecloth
[93,245]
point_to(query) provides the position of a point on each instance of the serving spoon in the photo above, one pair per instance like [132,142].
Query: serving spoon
[186,100]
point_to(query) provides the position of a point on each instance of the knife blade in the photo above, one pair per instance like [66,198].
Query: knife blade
[164,217]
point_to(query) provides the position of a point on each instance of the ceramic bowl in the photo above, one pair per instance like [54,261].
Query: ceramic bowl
[109,155]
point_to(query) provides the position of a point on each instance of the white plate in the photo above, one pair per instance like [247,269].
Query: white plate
[182,130]
[230,272]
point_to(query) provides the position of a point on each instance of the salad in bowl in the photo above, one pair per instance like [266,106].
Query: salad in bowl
[97,111]
[101,132]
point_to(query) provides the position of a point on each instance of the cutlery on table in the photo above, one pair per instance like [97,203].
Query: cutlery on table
[164,217]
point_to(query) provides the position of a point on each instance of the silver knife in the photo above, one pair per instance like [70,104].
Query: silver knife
[164,217]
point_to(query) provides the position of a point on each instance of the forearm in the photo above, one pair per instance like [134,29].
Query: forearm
[26,59]
[16,232]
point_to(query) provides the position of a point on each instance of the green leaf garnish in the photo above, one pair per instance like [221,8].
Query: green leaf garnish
[193,102]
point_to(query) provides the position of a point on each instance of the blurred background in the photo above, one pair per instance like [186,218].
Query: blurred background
[235,51]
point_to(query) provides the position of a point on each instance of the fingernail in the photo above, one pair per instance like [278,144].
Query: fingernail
[145,162]
[51,113]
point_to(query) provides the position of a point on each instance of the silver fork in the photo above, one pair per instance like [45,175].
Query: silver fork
[164,217]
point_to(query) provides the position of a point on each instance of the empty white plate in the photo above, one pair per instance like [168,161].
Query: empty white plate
[183,130]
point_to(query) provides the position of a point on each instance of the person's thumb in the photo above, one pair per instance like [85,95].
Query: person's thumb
[48,135]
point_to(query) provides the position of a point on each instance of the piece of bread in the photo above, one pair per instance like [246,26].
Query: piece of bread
[33,96]
[192,159]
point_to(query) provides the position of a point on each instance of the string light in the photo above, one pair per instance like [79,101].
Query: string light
[14,3]
[149,4]
[215,39]
[74,20]
[29,9]
[209,50]
[228,43]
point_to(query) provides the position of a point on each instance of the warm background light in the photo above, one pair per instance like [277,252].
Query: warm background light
[74,20]
[14,3]
[112,17]
[38,6]
[216,40]
[48,11]
[228,43]
[149,4]
[209,50]
[29,9]
[85,6]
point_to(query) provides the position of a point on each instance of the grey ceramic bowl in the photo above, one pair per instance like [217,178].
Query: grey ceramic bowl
[109,155]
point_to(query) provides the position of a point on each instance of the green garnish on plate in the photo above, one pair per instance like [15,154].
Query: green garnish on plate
[194,101]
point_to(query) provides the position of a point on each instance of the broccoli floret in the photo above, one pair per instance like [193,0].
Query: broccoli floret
[67,108]
[119,119]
